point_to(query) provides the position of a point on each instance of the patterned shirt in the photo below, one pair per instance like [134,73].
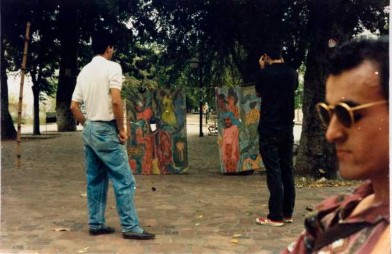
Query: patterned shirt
[334,230]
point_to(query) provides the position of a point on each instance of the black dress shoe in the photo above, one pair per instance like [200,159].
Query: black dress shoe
[101,231]
[138,236]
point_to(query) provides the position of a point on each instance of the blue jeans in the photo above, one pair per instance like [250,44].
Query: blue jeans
[106,159]
[276,149]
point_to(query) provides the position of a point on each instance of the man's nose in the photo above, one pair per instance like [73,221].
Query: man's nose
[336,131]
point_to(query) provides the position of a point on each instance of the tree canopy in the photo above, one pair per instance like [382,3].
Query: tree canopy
[157,39]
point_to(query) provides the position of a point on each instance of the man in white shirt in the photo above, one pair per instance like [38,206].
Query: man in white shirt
[99,87]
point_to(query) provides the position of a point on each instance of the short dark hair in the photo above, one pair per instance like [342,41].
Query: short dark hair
[101,40]
[274,51]
[352,54]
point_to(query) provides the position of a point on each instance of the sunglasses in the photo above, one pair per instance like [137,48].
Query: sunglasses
[343,111]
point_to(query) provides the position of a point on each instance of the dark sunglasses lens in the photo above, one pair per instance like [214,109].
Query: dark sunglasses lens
[343,115]
[324,115]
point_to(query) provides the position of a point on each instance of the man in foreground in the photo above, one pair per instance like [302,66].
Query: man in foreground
[99,88]
[357,120]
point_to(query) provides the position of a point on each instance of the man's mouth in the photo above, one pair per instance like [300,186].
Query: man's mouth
[342,154]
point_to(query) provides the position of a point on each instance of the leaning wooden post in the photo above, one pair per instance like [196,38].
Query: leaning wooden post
[18,137]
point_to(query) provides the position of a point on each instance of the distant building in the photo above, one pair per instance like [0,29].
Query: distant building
[49,105]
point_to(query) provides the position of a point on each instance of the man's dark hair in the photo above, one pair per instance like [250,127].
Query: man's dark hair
[101,40]
[352,54]
[233,94]
[274,51]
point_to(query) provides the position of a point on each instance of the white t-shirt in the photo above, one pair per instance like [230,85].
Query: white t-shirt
[93,88]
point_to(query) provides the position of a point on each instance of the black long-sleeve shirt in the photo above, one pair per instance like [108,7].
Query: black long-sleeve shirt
[276,84]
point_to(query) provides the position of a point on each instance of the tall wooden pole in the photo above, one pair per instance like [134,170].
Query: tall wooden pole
[18,137]
[201,134]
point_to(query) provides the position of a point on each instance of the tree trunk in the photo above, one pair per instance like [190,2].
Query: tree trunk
[36,124]
[8,131]
[68,64]
[317,157]
[315,154]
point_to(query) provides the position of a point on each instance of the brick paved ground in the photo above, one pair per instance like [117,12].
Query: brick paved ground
[198,212]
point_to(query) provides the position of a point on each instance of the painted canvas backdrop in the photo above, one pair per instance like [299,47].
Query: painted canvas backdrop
[157,125]
[238,113]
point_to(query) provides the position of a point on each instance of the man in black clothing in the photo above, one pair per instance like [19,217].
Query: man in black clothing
[276,84]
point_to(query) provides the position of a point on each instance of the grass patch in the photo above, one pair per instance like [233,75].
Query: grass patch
[308,182]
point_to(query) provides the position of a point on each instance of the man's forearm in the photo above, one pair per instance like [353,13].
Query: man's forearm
[117,108]
[118,115]
[77,113]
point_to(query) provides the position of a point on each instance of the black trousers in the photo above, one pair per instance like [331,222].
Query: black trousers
[276,149]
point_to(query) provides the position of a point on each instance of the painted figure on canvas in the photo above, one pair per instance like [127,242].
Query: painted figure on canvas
[232,99]
[230,143]
[158,126]
[243,106]
[168,115]
[164,151]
